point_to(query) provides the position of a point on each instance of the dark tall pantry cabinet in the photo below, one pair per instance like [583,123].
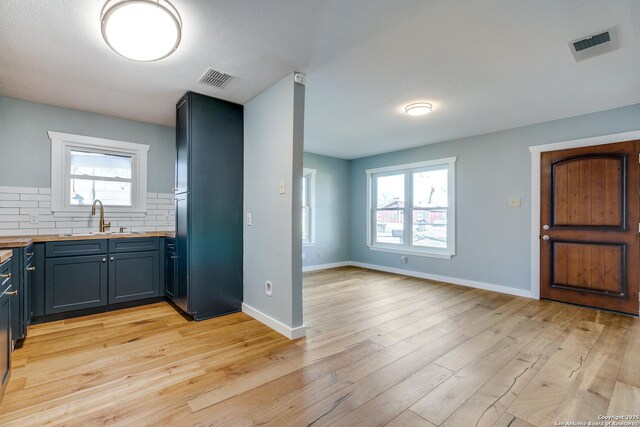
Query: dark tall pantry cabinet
[209,174]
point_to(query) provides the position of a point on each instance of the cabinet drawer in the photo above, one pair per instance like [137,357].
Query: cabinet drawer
[134,244]
[73,247]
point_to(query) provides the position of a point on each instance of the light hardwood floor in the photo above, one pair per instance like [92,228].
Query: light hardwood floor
[381,350]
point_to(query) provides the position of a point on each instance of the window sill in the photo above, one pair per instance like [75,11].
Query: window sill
[405,251]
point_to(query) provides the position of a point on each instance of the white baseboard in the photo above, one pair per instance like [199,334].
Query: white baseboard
[447,279]
[325,266]
[291,333]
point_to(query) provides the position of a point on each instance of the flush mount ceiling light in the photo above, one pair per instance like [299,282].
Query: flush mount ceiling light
[142,30]
[418,108]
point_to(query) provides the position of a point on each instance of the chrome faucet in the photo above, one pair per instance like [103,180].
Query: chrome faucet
[103,225]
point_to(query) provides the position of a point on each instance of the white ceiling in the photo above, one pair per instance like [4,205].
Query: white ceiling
[486,65]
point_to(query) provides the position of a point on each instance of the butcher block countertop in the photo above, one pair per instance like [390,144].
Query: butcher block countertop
[5,255]
[22,241]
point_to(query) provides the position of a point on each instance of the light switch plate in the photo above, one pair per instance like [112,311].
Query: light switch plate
[248,218]
[514,202]
[282,186]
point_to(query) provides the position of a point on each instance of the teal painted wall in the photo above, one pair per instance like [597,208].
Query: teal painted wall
[26,148]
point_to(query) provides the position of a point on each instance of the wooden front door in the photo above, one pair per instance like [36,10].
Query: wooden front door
[589,223]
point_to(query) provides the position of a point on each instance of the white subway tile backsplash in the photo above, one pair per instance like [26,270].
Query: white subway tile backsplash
[43,231]
[16,232]
[19,204]
[28,190]
[38,197]
[71,224]
[39,224]
[36,210]
[14,218]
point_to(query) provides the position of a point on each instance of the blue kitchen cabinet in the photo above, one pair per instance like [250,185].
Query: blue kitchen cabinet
[133,276]
[75,283]
[84,276]
[6,298]
[170,268]
[22,267]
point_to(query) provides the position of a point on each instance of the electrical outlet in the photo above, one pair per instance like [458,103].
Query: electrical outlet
[404,259]
[268,288]
[514,202]
[248,218]
[33,218]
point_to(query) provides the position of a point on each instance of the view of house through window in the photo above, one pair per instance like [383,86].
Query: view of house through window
[85,169]
[413,207]
[95,175]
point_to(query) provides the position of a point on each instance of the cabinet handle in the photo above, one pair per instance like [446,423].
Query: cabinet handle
[112,259]
[11,293]
[31,269]
[104,260]
[173,257]
[5,276]
[29,253]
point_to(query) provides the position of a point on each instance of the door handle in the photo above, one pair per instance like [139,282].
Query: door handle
[545,237]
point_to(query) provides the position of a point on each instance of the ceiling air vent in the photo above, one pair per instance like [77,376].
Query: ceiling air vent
[215,78]
[594,45]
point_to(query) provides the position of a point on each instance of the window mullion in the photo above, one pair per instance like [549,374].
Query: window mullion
[408,232]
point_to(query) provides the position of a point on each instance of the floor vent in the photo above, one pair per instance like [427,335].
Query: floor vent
[594,45]
[215,78]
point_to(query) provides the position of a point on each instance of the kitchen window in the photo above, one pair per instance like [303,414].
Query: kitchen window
[84,169]
[411,208]
[308,206]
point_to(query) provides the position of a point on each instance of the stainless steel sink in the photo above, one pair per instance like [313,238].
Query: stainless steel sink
[98,233]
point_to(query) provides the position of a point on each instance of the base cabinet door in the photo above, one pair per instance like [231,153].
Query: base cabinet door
[5,340]
[170,274]
[74,283]
[133,276]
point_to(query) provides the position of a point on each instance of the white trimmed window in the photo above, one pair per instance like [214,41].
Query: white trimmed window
[85,169]
[308,206]
[411,208]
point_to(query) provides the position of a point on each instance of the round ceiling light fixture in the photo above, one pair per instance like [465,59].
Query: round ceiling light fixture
[418,108]
[142,30]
